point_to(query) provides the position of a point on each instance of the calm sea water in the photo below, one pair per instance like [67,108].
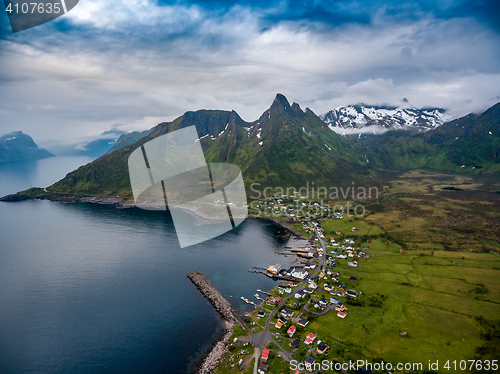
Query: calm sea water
[93,289]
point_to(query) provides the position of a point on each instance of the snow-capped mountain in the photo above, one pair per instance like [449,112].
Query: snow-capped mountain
[357,119]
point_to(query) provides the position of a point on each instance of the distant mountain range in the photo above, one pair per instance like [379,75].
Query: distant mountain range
[358,119]
[17,146]
[467,144]
[108,141]
[288,146]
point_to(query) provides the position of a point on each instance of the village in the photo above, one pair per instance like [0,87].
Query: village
[324,283]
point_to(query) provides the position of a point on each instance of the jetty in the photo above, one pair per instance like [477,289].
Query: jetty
[229,315]
[221,305]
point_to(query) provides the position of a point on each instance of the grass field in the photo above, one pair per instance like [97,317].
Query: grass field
[440,291]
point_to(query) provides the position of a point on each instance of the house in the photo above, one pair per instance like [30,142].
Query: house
[353,264]
[296,304]
[299,294]
[341,314]
[341,256]
[309,362]
[310,338]
[294,343]
[303,322]
[274,269]
[322,348]
[287,313]
[265,355]
[299,274]
[353,278]
[335,301]
[340,293]
[261,314]
[327,287]
[322,302]
[282,320]
[291,331]
[341,287]
[340,308]
[263,366]
[308,290]
[352,293]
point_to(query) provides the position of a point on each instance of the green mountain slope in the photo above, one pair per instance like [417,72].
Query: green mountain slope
[284,147]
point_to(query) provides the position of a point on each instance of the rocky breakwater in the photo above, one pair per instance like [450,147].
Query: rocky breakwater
[229,315]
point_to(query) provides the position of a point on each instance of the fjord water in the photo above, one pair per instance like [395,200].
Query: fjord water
[90,288]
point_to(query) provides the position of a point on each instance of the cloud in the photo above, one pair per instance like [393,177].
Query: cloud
[139,62]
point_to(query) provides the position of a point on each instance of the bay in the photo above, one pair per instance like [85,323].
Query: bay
[89,288]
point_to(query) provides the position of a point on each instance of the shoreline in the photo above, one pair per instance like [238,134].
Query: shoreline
[123,203]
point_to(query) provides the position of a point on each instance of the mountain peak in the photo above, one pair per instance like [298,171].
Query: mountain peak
[17,146]
[280,103]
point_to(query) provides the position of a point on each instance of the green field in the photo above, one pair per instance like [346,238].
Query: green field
[437,297]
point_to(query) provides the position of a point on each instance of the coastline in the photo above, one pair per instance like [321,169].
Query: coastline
[280,224]
[119,203]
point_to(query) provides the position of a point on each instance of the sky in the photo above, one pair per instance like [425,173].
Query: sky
[131,64]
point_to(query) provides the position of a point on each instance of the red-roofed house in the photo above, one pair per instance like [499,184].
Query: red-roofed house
[265,355]
[291,331]
[341,314]
[310,338]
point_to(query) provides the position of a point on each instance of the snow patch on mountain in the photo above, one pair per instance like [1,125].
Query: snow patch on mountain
[363,119]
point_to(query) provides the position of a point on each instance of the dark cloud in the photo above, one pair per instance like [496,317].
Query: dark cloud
[142,62]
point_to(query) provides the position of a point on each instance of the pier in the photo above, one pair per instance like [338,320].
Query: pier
[267,293]
[221,305]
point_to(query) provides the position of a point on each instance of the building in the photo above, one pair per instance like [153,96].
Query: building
[352,293]
[299,294]
[340,308]
[309,362]
[265,355]
[287,313]
[335,301]
[274,269]
[341,314]
[310,338]
[322,348]
[291,331]
[303,322]
[299,273]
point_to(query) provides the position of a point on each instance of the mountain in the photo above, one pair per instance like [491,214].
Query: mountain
[467,144]
[108,141]
[17,146]
[102,145]
[362,118]
[285,147]
[128,139]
